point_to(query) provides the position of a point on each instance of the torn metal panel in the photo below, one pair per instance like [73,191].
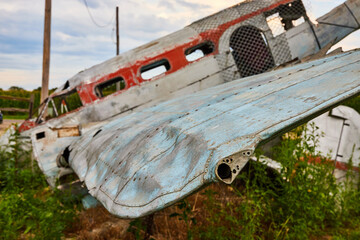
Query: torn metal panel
[338,132]
[125,157]
[306,39]
[145,161]
[47,142]
[243,26]
[46,147]
[342,20]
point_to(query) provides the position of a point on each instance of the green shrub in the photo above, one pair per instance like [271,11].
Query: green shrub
[28,207]
[303,201]
[353,103]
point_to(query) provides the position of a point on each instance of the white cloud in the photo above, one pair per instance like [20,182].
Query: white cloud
[19,61]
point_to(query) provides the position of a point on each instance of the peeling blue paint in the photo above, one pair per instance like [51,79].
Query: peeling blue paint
[145,161]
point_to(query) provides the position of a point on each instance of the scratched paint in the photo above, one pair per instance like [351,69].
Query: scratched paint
[206,72]
[140,163]
[159,139]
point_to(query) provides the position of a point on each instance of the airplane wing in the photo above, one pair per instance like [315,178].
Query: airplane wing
[143,162]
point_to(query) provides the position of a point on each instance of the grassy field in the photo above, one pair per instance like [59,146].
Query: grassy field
[16,117]
[303,201]
[20,93]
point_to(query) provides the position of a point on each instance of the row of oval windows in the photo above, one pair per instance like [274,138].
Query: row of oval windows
[154,69]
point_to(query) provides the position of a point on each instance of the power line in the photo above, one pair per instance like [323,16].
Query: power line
[113,35]
[93,20]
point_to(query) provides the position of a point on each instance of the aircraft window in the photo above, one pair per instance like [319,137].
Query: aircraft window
[67,85]
[40,135]
[155,69]
[286,16]
[62,104]
[109,87]
[199,51]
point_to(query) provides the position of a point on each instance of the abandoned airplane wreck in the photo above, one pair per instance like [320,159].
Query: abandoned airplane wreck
[152,125]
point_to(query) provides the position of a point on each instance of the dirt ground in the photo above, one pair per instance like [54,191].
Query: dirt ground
[7,123]
[98,224]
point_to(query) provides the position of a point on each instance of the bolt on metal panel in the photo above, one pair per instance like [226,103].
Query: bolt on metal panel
[140,163]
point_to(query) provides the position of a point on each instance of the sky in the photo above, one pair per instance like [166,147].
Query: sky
[82,37]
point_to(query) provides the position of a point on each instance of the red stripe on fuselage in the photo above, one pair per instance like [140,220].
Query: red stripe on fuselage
[175,56]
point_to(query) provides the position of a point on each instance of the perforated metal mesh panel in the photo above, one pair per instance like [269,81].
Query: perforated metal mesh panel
[250,51]
[257,43]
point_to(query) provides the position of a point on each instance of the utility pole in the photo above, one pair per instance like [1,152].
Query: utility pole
[117,32]
[117,42]
[46,52]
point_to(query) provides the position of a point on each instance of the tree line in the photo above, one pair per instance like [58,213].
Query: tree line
[15,91]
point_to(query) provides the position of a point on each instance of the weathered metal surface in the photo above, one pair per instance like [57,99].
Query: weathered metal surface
[211,70]
[206,142]
[47,142]
[331,28]
[145,161]
[46,150]
[338,132]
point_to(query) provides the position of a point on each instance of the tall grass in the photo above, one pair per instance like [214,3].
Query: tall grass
[303,201]
[29,209]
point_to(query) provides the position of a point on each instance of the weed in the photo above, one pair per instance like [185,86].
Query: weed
[185,214]
[353,103]
[138,228]
[301,202]
[142,228]
[28,207]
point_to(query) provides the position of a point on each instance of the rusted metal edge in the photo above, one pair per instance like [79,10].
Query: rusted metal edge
[145,161]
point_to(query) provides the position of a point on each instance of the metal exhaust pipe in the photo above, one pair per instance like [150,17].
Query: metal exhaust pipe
[228,168]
